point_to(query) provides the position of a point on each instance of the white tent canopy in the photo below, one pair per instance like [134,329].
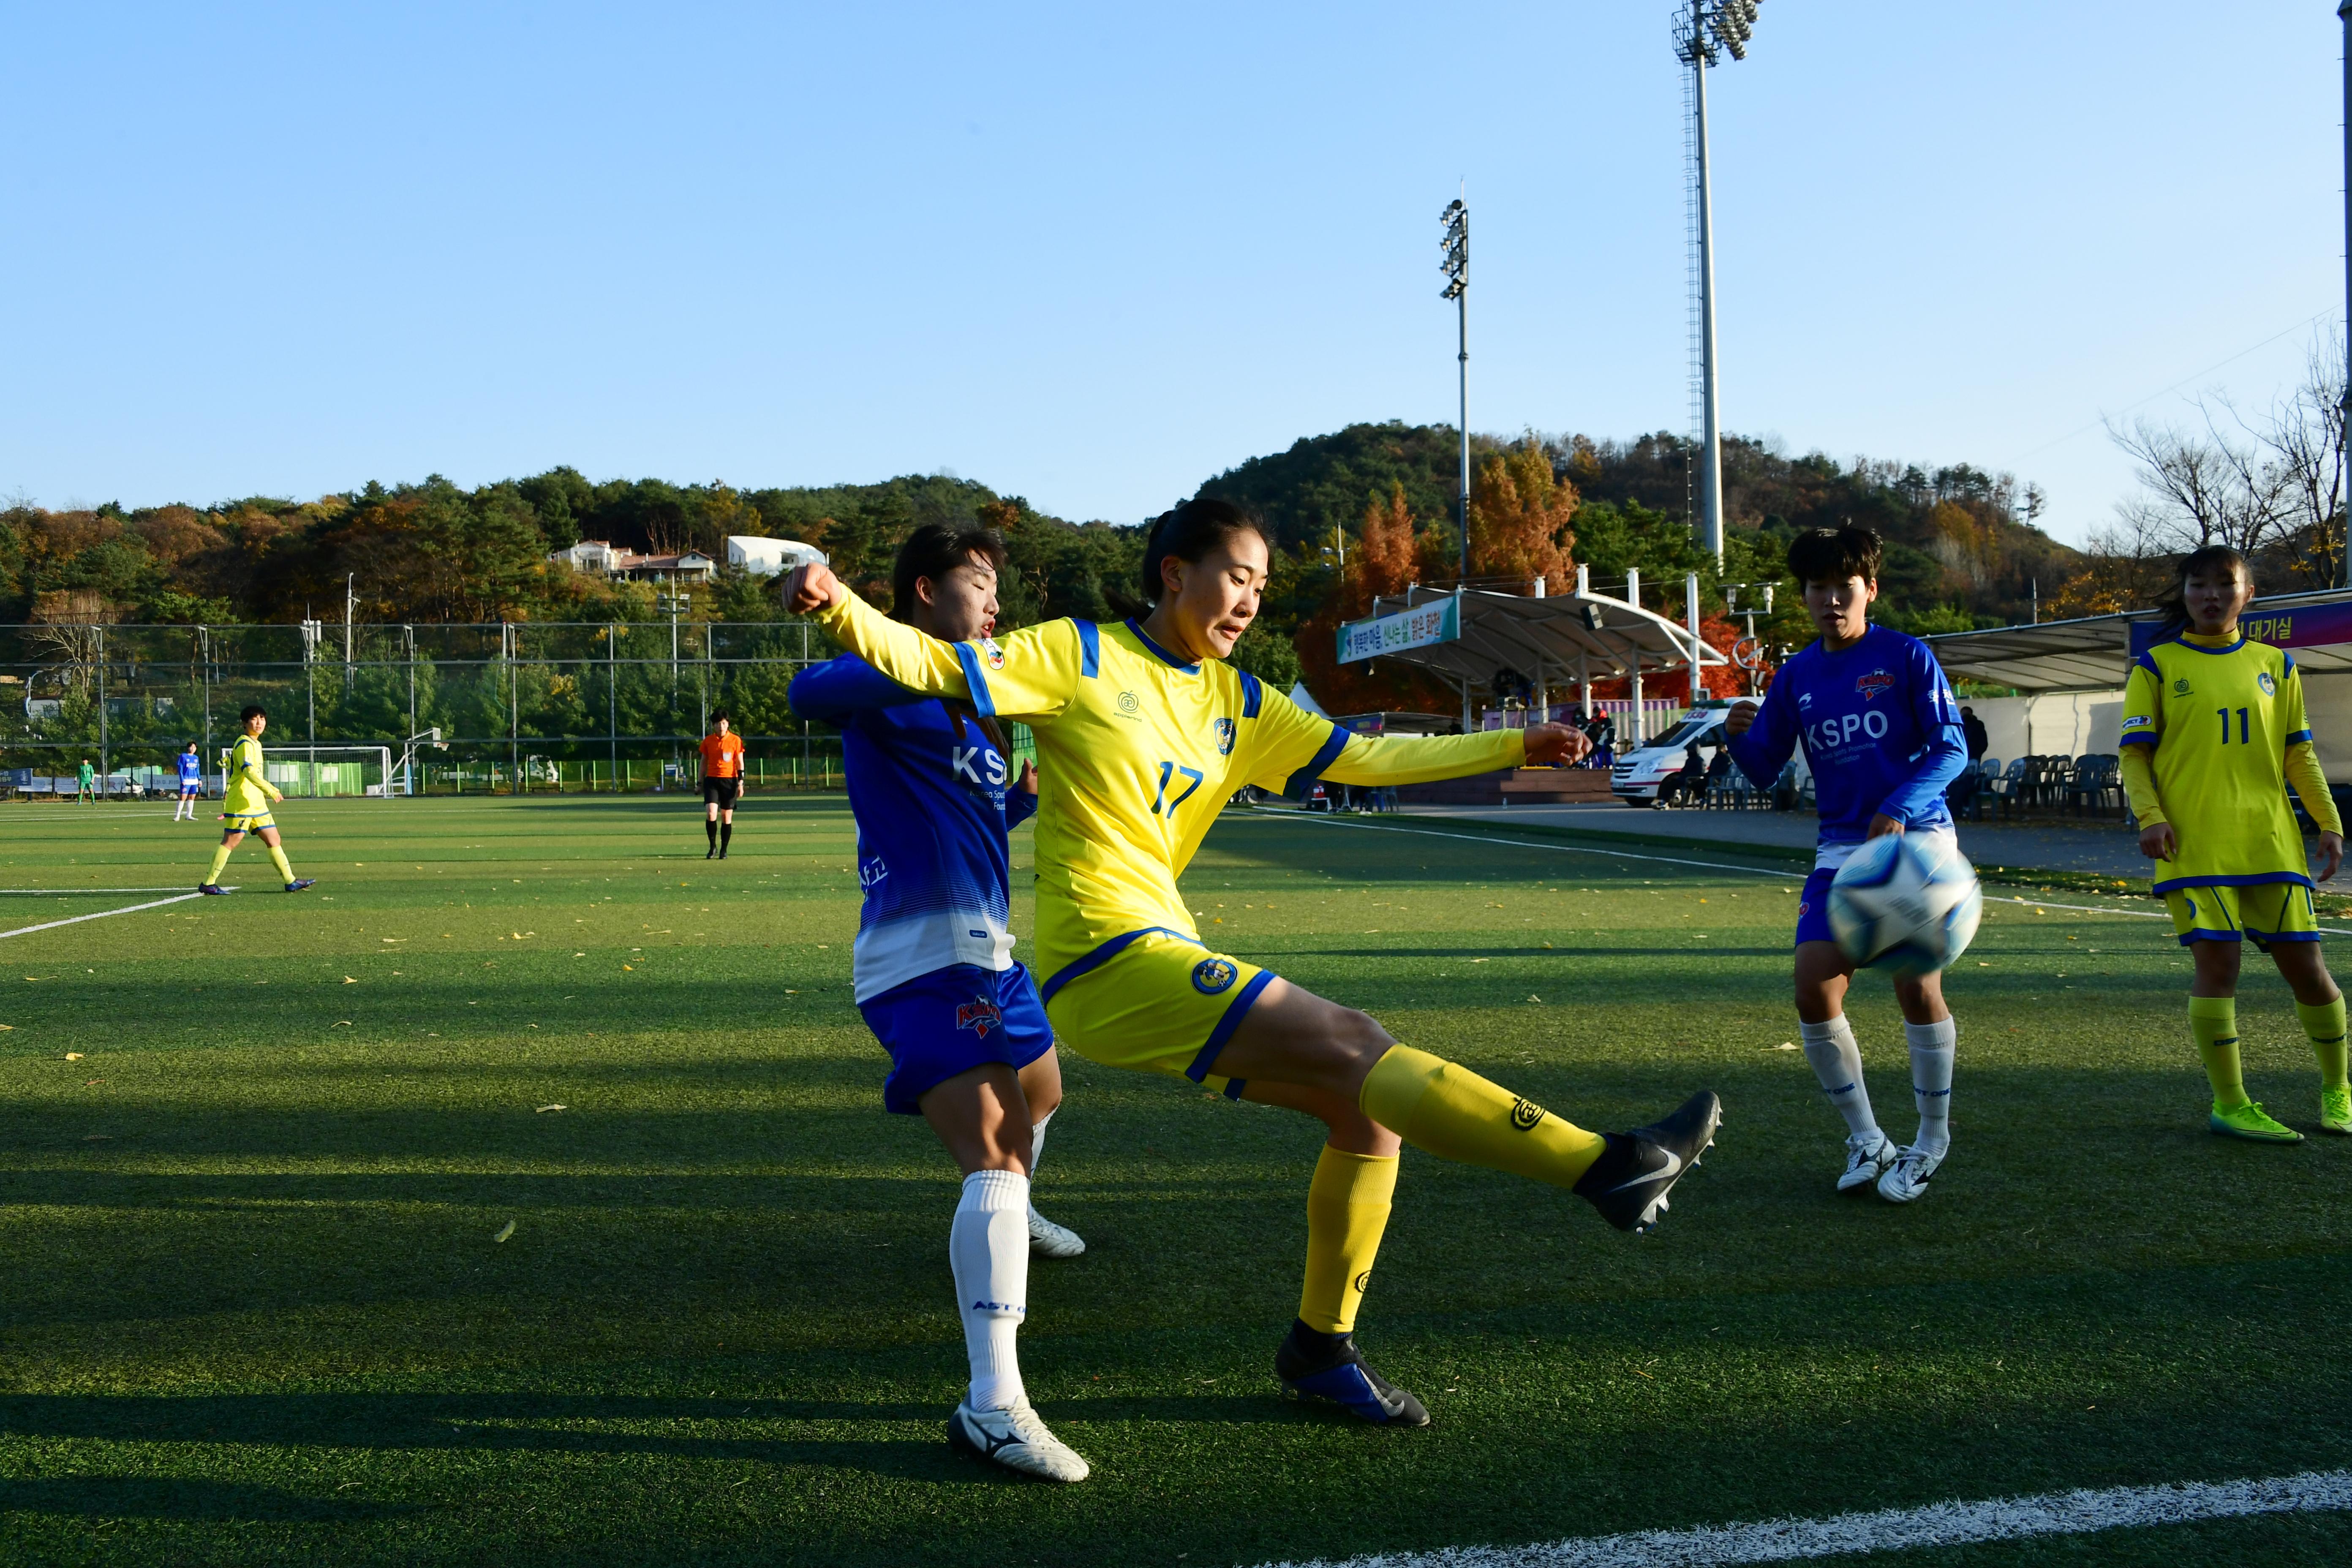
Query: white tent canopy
[1554,640]
[2094,653]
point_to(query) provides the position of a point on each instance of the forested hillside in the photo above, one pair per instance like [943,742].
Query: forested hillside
[1962,549]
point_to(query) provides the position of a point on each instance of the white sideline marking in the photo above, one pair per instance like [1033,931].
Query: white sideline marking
[76,920]
[1711,865]
[1897,1529]
[70,892]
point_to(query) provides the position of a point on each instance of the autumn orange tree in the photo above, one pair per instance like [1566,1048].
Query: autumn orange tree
[1385,562]
[1519,517]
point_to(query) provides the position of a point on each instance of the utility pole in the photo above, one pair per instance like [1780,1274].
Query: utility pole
[1456,243]
[351,602]
[1711,26]
[2343,502]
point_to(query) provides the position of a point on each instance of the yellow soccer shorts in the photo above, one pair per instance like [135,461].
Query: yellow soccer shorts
[246,821]
[1157,1001]
[2264,913]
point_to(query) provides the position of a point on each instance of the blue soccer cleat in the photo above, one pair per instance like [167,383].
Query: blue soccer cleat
[1329,1366]
[299,883]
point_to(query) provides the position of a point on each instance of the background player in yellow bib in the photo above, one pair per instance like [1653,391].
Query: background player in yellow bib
[1143,732]
[2213,730]
[246,808]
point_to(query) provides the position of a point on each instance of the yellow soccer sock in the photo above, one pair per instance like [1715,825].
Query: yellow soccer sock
[278,858]
[220,862]
[2324,1025]
[2213,1020]
[1346,1210]
[1454,1114]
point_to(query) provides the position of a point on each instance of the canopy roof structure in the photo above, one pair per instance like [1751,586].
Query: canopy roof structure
[2093,653]
[1552,640]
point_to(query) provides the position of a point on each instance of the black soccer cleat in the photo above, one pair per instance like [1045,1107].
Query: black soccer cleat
[1630,1181]
[1315,1365]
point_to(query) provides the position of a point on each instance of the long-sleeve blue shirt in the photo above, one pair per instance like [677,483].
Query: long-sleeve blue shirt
[1880,727]
[929,793]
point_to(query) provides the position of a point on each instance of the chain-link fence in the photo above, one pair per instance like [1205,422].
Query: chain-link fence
[614,705]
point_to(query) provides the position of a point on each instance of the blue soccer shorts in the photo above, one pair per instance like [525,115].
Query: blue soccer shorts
[948,1022]
[1813,906]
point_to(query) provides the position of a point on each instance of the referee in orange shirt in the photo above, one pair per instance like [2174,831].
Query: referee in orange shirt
[722,780]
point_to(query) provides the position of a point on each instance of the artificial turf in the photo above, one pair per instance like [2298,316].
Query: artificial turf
[254,1307]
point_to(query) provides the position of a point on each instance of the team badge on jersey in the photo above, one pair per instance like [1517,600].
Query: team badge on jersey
[1129,702]
[2270,686]
[991,652]
[1224,728]
[2180,688]
[980,1014]
[1875,685]
[1211,976]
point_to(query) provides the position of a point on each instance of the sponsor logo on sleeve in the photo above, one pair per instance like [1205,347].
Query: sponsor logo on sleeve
[980,1014]
[992,653]
[2139,722]
[1211,976]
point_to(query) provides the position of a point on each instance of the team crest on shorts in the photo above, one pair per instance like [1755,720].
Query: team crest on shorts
[1224,728]
[1876,684]
[980,1014]
[2270,686]
[991,652]
[1211,976]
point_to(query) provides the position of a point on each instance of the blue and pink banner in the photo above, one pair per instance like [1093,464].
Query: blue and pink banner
[2314,625]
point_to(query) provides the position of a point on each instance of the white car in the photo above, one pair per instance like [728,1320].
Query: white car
[1640,776]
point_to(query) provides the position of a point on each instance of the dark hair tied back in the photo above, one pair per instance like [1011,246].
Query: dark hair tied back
[1186,533]
[933,551]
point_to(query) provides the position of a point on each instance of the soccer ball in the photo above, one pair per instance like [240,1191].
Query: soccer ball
[1907,902]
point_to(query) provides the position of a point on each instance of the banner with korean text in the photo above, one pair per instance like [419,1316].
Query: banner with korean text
[1433,623]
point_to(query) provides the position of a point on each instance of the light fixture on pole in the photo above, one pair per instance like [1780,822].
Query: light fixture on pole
[1704,31]
[1456,243]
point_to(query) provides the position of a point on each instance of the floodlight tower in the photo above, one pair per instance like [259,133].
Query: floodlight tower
[1456,243]
[1704,31]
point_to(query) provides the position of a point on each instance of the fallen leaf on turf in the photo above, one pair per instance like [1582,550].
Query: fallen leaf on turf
[1783,1046]
[506,1233]
[341,1024]
[545,1109]
[73,1056]
[626,968]
[349,981]
[1535,998]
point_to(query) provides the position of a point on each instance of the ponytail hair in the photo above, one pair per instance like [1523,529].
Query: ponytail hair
[2204,559]
[1186,533]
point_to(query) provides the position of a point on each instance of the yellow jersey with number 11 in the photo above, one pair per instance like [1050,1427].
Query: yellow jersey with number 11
[2220,720]
[1138,751]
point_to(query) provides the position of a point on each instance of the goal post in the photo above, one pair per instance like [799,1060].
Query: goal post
[312,772]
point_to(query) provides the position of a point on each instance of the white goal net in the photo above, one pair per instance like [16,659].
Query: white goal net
[310,772]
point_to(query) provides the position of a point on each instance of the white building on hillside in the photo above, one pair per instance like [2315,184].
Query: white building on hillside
[769,557]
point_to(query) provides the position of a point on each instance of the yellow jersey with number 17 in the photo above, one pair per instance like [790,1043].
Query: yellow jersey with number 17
[1138,751]
[2220,719]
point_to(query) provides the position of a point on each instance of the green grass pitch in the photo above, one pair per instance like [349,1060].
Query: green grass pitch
[254,1307]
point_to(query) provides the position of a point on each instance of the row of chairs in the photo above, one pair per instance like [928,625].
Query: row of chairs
[2091,784]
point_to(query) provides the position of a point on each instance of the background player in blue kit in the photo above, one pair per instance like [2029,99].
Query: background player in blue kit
[192,783]
[1882,734]
[931,786]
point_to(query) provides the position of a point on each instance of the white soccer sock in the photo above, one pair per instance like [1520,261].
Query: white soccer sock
[1837,1063]
[1933,1047]
[987,1247]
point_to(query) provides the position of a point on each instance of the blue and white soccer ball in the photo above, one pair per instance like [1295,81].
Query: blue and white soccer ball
[1906,902]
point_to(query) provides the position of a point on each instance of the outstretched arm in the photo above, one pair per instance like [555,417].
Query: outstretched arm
[1030,674]
[837,690]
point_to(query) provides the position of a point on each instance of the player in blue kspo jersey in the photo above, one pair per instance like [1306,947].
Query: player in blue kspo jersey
[931,786]
[192,783]
[1882,734]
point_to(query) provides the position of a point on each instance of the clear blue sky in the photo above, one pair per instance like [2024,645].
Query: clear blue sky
[1094,253]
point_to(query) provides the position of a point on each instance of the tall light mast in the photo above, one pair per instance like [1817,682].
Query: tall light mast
[1455,242]
[1704,30]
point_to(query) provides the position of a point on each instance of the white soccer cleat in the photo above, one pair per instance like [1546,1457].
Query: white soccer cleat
[1868,1156]
[1907,1178]
[1015,1438]
[1047,1239]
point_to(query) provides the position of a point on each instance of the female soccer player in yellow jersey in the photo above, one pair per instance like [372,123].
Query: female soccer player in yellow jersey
[2213,730]
[1143,732]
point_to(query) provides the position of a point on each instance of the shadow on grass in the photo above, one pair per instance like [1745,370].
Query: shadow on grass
[155,1497]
